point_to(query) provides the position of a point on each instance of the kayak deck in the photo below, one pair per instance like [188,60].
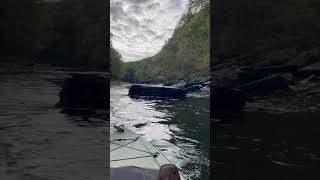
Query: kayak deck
[130,149]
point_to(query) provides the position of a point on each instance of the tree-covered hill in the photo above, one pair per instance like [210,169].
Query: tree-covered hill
[185,56]
[22,29]
[77,34]
[266,32]
[64,33]
[116,65]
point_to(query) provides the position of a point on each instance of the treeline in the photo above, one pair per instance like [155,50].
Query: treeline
[266,32]
[185,56]
[117,67]
[23,27]
[65,33]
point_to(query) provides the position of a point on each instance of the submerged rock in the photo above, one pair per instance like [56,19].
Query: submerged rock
[156,92]
[85,90]
[139,125]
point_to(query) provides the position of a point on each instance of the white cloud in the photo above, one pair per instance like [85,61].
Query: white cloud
[140,27]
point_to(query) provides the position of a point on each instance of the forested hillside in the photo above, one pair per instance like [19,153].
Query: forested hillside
[22,29]
[266,32]
[65,33]
[77,36]
[185,56]
[117,67]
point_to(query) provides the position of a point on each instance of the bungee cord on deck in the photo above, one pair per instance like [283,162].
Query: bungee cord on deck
[154,155]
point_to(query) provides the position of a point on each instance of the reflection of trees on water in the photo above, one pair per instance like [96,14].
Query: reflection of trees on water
[87,117]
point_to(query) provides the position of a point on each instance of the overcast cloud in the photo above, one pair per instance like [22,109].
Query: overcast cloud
[139,28]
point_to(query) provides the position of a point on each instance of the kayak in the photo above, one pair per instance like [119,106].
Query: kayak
[133,157]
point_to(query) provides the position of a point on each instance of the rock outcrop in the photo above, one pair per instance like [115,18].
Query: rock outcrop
[161,92]
[85,90]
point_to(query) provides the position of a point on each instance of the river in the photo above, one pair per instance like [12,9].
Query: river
[179,128]
[266,145]
[41,142]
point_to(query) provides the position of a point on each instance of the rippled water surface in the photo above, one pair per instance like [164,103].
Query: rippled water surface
[268,146]
[179,128]
[41,142]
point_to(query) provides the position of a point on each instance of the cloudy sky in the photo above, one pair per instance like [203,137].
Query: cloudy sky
[139,28]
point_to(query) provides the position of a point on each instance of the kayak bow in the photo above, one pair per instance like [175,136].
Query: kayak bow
[128,149]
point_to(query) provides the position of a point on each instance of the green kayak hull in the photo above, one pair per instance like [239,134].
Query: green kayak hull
[130,149]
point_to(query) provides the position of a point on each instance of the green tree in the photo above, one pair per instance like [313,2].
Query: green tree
[116,64]
[78,36]
[185,56]
[23,27]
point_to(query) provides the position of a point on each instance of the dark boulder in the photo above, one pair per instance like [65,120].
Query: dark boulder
[289,78]
[265,85]
[227,77]
[248,74]
[187,85]
[85,90]
[193,88]
[313,69]
[277,69]
[226,102]
[235,76]
[179,85]
[156,92]
[311,79]
[221,66]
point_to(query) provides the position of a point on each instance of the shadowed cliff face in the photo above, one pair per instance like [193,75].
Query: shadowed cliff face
[271,32]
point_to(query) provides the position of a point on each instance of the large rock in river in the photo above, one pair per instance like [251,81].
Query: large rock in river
[156,92]
[85,90]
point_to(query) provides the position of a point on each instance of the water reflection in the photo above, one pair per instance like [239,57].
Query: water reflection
[87,117]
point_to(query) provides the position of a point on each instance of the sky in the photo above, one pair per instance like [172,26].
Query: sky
[140,28]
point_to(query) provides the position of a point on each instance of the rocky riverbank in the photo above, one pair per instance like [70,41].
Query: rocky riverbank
[274,89]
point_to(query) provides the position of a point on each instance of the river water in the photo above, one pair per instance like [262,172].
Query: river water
[180,128]
[41,142]
[267,145]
